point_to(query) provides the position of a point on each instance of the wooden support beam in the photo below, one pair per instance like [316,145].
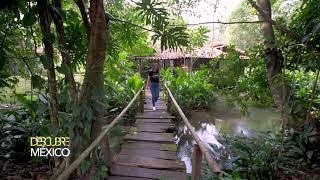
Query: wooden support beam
[196,162]
[106,152]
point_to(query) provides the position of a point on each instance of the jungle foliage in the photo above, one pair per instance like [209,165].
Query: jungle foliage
[242,80]
[183,84]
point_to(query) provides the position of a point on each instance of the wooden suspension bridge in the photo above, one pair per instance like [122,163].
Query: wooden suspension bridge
[150,151]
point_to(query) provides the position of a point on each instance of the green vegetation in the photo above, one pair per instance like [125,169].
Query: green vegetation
[242,80]
[192,90]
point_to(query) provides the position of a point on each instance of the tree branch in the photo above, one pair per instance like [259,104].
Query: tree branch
[225,23]
[48,49]
[56,11]
[132,24]
[84,16]
[282,29]
[29,68]
[33,37]
[195,24]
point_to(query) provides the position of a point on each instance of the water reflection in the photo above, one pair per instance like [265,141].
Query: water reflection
[223,119]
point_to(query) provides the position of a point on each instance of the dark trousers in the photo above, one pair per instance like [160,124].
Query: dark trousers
[155,90]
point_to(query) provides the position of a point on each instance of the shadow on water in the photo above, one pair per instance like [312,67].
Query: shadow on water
[221,119]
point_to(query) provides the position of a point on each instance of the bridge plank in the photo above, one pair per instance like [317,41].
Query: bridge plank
[151,110]
[148,108]
[148,162]
[147,128]
[154,127]
[149,153]
[153,120]
[167,125]
[153,146]
[160,101]
[125,178]
[169,155]
[158,104]
[146,173]
[151,137]
[154,115]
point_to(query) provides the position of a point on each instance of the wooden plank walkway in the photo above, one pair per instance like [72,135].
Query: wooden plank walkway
[149,152]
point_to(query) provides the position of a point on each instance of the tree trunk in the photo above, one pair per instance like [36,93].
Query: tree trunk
[282,29]
[92,91]
[273,60]
[66,60]
[48,49]
[92,88]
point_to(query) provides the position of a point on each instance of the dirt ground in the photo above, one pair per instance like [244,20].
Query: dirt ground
[23,170]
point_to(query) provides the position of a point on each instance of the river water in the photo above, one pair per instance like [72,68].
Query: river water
[220,118]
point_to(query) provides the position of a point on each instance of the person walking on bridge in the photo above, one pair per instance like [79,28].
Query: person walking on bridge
[154,83]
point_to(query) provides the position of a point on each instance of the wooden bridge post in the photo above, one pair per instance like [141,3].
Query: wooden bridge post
[105,146]
[139,67]
[196,162]
[141,102]
[169,104]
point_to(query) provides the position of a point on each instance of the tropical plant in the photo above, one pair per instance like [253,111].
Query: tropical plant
[198,37]
[192,90]
[241,80]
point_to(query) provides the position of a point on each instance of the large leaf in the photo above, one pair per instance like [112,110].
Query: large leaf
[29,19]
[37,82]
[152,12]
[45,61]
[172,37]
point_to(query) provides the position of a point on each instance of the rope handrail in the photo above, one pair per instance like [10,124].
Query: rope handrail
[211,163]
[104,132]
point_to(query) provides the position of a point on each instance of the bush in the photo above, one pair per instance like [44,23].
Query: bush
[300,84]
[242,80]
[192,90]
